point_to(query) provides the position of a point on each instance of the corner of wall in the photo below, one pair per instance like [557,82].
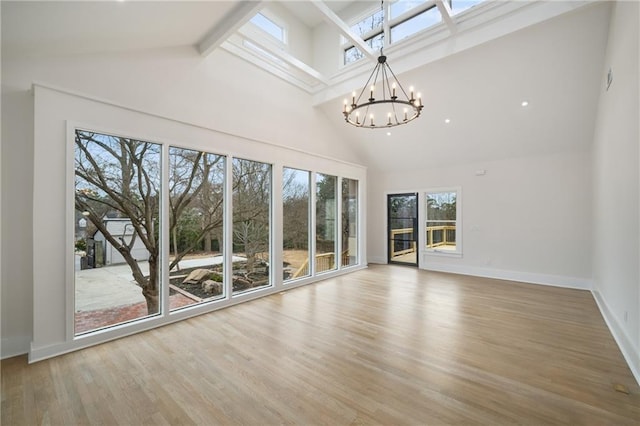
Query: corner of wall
[631,354]
[14,346]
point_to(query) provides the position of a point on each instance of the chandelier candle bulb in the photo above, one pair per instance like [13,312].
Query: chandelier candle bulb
[405,114]
[371,98]
[371,116]
[345,106]
[411,90]
[389,117]
[419,99]
[353,98]
[393,93]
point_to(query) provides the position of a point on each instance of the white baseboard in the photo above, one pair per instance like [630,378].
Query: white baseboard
[500,274]
[14,346]
[630,353]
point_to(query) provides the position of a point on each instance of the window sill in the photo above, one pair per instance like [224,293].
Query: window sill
[443,253]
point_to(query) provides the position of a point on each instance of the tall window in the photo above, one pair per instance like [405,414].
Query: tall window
[325,222]
[349,222]
[443,221]
[196,204]
[117,236]
[251,224]
[295,223]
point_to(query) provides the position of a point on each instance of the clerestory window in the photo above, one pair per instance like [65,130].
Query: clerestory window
[397,21]
[270,27]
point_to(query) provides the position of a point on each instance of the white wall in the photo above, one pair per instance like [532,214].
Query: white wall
[526,219]
[220,92]
[616,252]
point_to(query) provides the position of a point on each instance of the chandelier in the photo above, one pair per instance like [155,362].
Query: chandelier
[388,102]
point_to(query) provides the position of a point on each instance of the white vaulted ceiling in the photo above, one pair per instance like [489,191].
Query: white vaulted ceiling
[475,72]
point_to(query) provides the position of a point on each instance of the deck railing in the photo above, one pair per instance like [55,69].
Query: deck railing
[436,236]
[394,234]
[324,262]
[443,235]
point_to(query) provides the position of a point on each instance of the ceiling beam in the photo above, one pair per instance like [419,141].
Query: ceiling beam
[229,24]
[331,18]
[445,11]
[286,57]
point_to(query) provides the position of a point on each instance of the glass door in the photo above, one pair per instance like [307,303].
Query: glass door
[402,225]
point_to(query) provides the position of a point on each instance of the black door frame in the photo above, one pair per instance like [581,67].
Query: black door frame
[415,228]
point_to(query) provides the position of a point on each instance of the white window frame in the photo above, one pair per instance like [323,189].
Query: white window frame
[277,22]
[385,28]
[423,223]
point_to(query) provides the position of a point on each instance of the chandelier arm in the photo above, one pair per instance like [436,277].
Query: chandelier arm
[398,81]
[395,113]
[385,82]
[364,88]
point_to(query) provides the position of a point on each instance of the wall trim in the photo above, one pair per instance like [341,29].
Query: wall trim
[630,354]
[14,346]
[501,274]
[105,101]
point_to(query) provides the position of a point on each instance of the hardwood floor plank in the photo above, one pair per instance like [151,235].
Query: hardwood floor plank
[386,345]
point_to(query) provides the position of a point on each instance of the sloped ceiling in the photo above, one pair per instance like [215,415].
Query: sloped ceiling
[556,65]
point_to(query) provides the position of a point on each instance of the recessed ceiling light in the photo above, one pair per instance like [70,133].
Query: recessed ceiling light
[524,103]
[446,120]
[388,133]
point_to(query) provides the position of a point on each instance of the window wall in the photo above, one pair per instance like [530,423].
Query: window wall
[120,233]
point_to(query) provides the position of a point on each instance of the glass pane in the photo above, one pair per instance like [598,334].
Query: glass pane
[458,6]
[251,224]
[419,22]
[268,26]
[325,222]
[376,42]
[352,54]
[117,241]
[403,228]
[349,222]
[368,24]
[441,220]
[196,203]
[295,214]
[402,6]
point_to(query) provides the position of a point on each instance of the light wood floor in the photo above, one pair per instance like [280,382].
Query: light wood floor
[388,345]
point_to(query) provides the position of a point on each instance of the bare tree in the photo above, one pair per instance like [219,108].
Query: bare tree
[121,177]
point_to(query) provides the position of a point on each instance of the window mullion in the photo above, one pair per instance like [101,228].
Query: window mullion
[227,232]
[165,245]
[312,224]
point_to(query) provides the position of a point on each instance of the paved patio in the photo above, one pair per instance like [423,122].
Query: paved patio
[113,286]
